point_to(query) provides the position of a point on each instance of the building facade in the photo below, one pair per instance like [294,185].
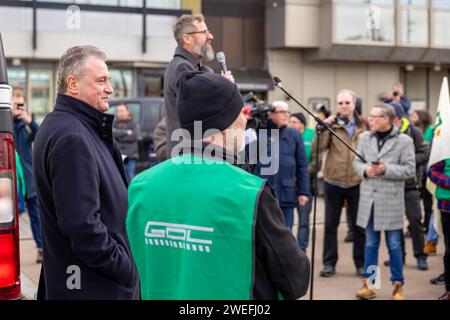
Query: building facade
[320,46]
[315,46]
[135,34]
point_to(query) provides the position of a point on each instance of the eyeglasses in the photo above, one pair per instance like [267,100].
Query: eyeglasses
[283,112]
[206,32]
[344,102]
[376,116]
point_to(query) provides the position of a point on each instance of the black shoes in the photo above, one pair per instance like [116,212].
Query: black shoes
[39,256]
[360,271]
[422,264]
[349,237]
[440,279]
[327,271]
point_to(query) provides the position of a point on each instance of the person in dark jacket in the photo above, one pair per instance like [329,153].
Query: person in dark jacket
[82,188]
[160,140]
[25,129]
[412,195]
[397,95]
[291,180]
[230,242]
[126,133]
[194,48]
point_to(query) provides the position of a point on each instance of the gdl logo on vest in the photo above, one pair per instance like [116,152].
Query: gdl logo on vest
[180,236]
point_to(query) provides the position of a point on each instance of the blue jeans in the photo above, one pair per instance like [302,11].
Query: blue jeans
[432,235]
[288,216]
[35,221]
[303,224]
[130,169]
[393,241]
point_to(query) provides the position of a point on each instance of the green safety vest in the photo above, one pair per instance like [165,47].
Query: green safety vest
[441,193]
[308,137]
[191,229]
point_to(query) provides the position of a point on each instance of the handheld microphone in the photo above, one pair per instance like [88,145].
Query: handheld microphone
[220,56]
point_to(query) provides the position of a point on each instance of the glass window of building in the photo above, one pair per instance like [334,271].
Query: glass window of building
[122,3]
[160,4]
[441,4]
[122,82]
[414,22]
[152,85]
[362,21]
[414,2]
[441,23]
[18,78]
[164,4]
[40,93]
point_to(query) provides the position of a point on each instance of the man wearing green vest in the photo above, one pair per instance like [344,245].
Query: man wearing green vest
[199,226]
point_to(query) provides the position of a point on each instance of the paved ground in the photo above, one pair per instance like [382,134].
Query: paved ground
[340,287]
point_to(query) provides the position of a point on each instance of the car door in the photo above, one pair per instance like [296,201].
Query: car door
[9,217]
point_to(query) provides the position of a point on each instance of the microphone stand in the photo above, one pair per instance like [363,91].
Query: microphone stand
[320,128]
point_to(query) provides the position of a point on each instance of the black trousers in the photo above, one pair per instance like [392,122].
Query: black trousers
[414,215]
[446,229]
[334,201]
[427,200]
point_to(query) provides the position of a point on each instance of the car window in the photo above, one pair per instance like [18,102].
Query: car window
[133,107]
[152,115]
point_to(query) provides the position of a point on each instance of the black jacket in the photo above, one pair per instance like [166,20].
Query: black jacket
[291,179]
[24,135]
[128,143]
[82,190]
[182,62]
[422,151]
[280,266]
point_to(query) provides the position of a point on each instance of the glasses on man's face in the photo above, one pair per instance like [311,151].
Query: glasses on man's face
[205,32]
[344,102]
[283,112]
[373,116]
[20,106]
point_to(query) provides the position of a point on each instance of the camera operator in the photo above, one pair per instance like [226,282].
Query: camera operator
[290,182]
[341,181]
[398,95]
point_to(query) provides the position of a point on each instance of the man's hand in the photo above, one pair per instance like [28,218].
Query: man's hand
[228,75]
[330,120]
[371,172]
[380,169]
[25,117]
[303,200]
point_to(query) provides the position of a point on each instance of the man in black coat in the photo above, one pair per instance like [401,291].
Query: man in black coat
[194,47]
[82,188]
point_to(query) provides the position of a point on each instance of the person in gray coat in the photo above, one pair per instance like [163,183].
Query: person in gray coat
[390,161]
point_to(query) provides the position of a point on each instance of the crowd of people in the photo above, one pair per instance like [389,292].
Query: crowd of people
[381,191]
[199,226]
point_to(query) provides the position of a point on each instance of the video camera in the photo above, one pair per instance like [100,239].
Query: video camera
[259,110]
[341,121]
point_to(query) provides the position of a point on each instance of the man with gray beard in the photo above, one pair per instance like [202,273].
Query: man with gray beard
[194,47]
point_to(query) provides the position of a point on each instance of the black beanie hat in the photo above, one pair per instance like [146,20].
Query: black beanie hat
[300,116]
[207,97]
